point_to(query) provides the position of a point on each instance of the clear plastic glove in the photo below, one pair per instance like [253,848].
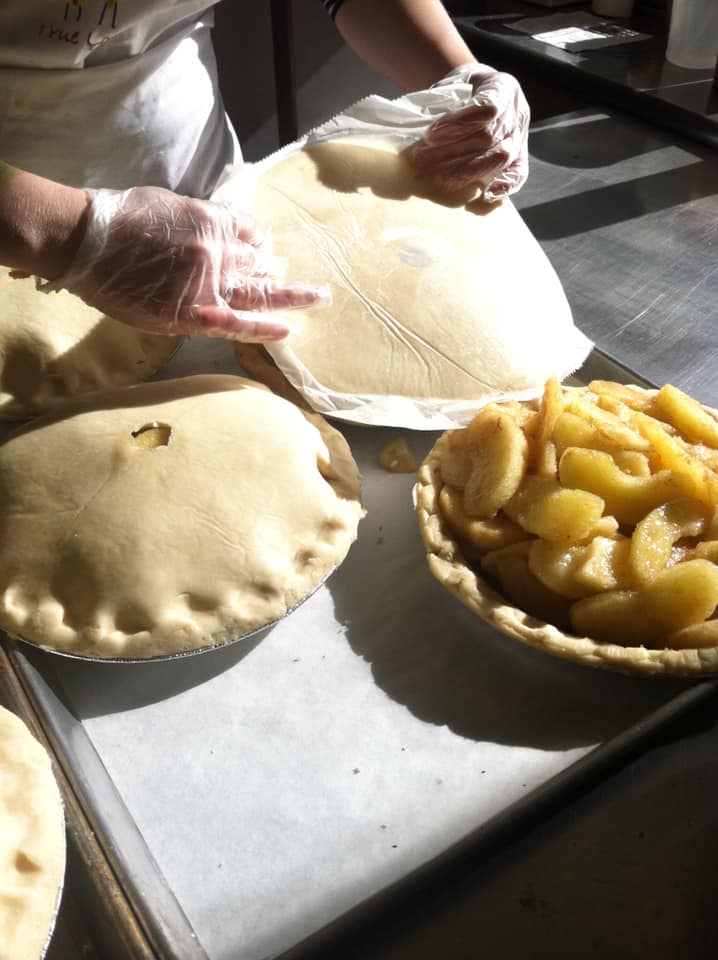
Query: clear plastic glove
[175,265]
[483,144]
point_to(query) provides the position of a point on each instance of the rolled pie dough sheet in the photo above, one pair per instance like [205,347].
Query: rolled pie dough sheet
[54,346]
[32,842]
[112,548]
[437,303]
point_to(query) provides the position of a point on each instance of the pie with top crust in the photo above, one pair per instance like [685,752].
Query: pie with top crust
[169,516]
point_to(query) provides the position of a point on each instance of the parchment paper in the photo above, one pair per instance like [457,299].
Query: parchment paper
[281,781]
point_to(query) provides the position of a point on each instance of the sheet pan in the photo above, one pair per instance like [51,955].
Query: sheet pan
[253,796]
[249,801]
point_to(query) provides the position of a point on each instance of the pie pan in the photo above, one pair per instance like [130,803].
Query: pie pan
[448,562]
[245,637]
[169,518]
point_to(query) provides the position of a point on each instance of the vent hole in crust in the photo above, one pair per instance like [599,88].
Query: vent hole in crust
[152,435]
[26,864]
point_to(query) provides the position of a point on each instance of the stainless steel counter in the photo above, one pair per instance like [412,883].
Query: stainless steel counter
[629,218]
[634,77]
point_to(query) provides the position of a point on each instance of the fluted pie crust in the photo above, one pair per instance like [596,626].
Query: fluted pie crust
[450,567]
[32,842]
[114,547]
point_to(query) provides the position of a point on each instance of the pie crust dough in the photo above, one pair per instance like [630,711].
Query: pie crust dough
[113,548]
[54,346]
[432,297]
[32,842]
[447,563]
[255,361]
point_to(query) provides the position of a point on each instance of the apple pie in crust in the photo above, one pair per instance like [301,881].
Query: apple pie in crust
[169,517]
[32,843]
[54,346]
[448,561]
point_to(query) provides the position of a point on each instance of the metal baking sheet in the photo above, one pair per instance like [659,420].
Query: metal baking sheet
[252,795]
[250,798]
[111,910]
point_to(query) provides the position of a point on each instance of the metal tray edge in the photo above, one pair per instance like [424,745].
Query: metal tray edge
[82,841]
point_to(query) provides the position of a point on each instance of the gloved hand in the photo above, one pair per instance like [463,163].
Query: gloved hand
[483,144]
[175,265]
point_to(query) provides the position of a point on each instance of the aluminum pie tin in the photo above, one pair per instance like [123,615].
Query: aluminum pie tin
[179,654]
[61,888]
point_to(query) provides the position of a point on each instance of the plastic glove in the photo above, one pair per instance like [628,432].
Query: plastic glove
[174,265]
[483,144]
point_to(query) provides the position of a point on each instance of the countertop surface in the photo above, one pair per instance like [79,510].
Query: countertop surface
[633,76]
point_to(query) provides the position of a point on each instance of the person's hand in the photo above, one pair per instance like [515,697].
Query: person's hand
[174,265]
[483,144]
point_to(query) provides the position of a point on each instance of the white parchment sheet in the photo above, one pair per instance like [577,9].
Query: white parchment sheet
[281,781]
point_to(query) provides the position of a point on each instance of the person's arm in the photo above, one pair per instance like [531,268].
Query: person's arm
[413,43]
[148,257]
[41,222]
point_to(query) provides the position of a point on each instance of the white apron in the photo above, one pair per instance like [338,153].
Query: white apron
[113,93]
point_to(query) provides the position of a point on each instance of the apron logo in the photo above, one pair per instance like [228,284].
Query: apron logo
[79,4]
[74,3]
[111,4]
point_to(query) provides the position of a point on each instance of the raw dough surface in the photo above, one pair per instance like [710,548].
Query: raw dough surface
[113,547]
[54,346]
[257,363]
[32,842]
[431,298]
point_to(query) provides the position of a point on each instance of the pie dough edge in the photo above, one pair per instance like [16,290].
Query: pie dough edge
[258,364]
[447,564]
[48,821]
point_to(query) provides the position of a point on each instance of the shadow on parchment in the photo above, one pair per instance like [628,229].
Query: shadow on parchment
[112,687]
[429,653]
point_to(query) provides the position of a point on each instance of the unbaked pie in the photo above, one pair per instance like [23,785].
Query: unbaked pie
[170,516]
[584,524]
